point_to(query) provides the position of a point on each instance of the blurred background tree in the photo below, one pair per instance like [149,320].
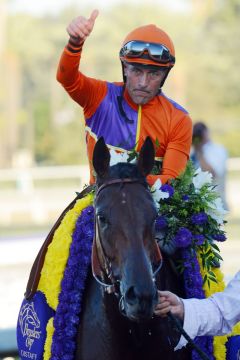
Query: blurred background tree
[36,114]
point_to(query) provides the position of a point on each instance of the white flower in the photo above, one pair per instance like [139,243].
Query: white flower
[117,157]
[158,194]
[217,211]
[201,178]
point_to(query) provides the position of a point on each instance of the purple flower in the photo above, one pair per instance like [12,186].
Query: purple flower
[185,197]
[199,218]
[161,223]
[199,239]
[183,238]
[167,188]
[219,237]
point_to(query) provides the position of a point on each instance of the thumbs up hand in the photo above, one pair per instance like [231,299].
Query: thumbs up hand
[80,28]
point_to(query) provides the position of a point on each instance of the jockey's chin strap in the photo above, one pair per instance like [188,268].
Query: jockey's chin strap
[102,267]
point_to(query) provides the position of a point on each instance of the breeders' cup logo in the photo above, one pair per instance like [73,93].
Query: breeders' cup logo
[29,324]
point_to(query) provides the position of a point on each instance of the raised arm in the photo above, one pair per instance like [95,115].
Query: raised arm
[86,91]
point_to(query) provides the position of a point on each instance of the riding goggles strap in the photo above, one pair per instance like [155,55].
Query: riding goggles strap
[156,52]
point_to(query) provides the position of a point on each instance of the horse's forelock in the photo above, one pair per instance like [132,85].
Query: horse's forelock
[125,170]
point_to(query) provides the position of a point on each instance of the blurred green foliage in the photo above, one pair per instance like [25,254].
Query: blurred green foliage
[205,80]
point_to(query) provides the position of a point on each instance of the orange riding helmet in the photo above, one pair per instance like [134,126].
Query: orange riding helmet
[149,46]
[149,34]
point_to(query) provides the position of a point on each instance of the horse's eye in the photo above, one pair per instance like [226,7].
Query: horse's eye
[102,219]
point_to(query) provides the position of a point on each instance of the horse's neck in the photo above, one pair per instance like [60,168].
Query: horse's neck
[169,277]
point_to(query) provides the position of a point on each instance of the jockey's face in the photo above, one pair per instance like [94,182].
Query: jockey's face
[142,83]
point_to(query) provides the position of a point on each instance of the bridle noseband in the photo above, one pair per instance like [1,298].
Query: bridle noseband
[104,276]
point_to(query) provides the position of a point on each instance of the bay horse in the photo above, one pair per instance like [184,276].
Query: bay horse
[117,321]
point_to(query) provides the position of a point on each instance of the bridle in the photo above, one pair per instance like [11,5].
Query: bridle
[104,275]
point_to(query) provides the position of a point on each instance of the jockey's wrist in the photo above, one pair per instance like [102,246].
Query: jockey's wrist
[75,44]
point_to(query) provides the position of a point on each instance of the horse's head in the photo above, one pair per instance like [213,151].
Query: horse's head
[125,227]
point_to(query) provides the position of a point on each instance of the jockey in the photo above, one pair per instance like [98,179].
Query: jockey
[126,113]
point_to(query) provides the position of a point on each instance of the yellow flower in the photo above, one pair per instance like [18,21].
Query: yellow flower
[48,342]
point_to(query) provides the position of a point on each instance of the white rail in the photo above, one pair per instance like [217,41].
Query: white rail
[46,172]
[71,171]
[25,201]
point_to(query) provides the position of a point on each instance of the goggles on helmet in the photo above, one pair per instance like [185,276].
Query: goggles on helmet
[157,52]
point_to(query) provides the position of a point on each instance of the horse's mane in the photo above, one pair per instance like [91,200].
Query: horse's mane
[126,170]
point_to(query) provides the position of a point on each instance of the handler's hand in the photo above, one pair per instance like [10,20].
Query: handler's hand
[80,28]
[168,301]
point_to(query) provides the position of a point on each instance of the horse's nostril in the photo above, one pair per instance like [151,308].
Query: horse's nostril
[130,296]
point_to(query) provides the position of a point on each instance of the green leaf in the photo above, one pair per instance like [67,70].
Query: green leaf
[205,278]
[213,279]
[157,143]
[212,273]
[217,255]
[215,247]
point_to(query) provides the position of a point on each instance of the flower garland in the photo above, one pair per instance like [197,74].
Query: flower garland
[68,312]
[192,218]
[55,263]
[194,274]
[193,283]
[58,252]
[219,342]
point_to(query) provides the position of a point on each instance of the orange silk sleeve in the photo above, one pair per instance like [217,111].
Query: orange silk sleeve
[86,91]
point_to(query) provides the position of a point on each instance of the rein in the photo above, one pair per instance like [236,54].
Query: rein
[111,285]
[187,337]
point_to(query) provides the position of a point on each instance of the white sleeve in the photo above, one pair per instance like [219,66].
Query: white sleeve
[213,316]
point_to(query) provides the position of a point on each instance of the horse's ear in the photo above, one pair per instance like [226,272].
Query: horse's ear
[101,157]
[146,157]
